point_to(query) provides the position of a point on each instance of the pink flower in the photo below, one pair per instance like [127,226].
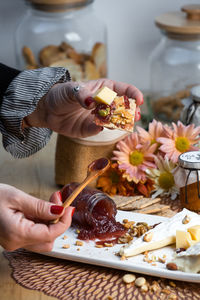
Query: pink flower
[134,158]
[156,130]
[178,140]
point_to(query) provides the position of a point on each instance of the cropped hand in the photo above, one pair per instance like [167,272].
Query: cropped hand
[24,220]
[69,113]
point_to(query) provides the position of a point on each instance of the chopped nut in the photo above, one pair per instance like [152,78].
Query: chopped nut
[79,243]
[128,278]
[172,266]
[64,237]
[166,291]
[186,219]
[66,246]
[172,297]
[171,283]
[148,237]
[162,260]
[140,281]
[108,244]
[125,221]
[99,246]
[144,288]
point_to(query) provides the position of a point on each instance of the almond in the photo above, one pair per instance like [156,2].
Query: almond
[172,266]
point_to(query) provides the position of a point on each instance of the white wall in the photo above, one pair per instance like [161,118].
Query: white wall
[131,34]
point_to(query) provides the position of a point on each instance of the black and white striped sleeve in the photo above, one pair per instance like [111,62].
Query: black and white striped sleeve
[20,100]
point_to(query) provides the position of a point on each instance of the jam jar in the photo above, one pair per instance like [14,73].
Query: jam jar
[94,214]
[62,33]
[175,62]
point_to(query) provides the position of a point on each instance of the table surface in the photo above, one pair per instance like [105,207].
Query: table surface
[34,175]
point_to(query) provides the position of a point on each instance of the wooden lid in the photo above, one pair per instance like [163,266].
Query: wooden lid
[58,2]
[58,5]
[186,22]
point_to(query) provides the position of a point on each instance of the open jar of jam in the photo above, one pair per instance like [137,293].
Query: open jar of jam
[190,192]
[94,214]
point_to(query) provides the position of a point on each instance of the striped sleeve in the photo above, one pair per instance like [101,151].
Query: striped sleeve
[20,100]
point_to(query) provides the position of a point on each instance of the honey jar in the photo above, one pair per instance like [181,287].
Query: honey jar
[190,192]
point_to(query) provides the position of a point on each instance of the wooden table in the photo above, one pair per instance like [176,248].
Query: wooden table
[34,175]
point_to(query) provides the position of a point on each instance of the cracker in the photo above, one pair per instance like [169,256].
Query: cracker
[121,201]
[141,203]
[155,208]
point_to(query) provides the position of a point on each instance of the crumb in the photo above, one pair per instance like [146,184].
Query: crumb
[66,246]
[79,243]
[65,237]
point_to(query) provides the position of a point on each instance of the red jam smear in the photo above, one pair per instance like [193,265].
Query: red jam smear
[94,215]
[126,102]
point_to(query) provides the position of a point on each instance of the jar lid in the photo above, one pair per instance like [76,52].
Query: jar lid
[186,22]
[54,5]
[190,160]
[195,93]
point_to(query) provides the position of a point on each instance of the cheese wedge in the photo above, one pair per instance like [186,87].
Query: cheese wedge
[189,260]
[184,239]
[105,95]
[195,232]
[164,234]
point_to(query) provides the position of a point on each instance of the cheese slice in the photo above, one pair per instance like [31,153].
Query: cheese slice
[164,234]
[105,95]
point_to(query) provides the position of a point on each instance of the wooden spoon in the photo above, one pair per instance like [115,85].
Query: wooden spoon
[95,169]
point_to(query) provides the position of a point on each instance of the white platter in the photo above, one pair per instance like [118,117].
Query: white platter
[106,257]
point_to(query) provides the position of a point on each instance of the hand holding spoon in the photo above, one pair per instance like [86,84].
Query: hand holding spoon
[95,169]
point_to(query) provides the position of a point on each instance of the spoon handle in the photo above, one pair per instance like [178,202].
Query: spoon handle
[77,191]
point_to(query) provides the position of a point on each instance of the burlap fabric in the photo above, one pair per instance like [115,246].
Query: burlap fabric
[70,154]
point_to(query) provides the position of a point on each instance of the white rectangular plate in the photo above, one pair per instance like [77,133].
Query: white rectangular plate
[106,257]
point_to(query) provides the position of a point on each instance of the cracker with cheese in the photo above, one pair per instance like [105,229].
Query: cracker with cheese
[113,111]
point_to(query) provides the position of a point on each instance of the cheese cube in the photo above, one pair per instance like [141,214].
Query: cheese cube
[184,239]
[195,232]
[105,95]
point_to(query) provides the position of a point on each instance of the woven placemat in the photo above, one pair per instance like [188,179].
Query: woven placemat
[68,280]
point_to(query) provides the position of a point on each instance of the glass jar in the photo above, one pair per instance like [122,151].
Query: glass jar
[94,214]
[87,202]
[62,33]
[190,191]
[175,62]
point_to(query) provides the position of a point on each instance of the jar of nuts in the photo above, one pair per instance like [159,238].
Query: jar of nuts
[66,33]
[174,63]
[62,33]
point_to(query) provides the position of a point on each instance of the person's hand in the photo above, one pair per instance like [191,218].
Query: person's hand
[24,220]
[69,113]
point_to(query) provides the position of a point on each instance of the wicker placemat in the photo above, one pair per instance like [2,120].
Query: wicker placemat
[68,280]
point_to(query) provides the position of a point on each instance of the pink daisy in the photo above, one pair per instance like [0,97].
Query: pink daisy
[178,140]
[156,130]
[134,158]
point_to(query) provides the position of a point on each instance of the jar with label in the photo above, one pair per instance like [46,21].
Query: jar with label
[190,190]
[174,63]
